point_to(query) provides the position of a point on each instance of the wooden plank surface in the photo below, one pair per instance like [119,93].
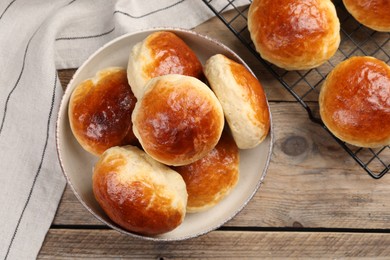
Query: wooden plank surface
[108,244]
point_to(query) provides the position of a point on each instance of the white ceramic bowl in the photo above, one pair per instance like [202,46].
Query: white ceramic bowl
[77,164]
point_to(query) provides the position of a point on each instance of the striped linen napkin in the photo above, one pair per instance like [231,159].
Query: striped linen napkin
[38,37]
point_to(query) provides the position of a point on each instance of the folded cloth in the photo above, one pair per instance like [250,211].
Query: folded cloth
[38,37]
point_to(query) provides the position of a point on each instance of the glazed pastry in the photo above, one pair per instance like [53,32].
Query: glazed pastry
[374,14]
[212,178]
[355,102]
[159,54]
[178,120]
[294,34]
[100,111]
[242,98]
[138,193]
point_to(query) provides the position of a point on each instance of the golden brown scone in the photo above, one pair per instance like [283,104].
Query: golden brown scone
[242,98]
[159,54]
[374,14]
[178,120]
[294,34]
[138,193]
[355,102]
[100,111]
[213,177]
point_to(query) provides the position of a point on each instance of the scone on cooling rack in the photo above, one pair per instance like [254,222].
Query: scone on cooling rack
[355,102]
[374,14]
[294,34]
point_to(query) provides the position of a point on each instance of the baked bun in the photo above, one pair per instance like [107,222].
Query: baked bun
[294,34]
[159,54]
[374,14]
[355,102]
[138,193]
[100,111]
[211,178]
[178,120]
[242,98]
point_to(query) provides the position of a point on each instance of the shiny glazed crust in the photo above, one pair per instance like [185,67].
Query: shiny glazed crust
[100,111]
[211,178]
[294,34]
[178,120]
[159,54]
[138,193]
[355,102]
[242,98]
[374,14]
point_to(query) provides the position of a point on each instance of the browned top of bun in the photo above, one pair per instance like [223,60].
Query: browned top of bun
[242,98]
[254,90]
[171,55]
[294,34]
[160,53]
[355,102]
[100,111]
[211,178]
[138,193]
[374,14]
[178,120]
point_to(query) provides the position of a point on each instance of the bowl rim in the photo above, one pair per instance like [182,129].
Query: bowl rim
[64,105]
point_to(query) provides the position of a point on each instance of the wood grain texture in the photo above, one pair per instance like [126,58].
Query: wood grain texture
[311,183]
[108,244]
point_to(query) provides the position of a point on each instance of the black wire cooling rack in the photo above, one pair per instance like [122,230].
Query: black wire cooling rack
[304,86]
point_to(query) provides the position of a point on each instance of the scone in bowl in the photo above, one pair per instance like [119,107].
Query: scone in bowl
[77,164]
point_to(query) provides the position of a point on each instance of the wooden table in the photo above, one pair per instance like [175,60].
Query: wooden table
[315,202]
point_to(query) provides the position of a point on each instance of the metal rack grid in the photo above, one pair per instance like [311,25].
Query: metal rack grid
[304,86]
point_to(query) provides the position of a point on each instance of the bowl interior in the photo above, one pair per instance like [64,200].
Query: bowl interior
[77,164]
